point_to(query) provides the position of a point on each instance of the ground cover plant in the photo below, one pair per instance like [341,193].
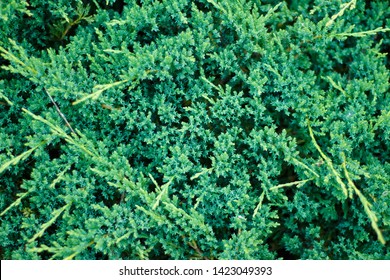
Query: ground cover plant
[205,129]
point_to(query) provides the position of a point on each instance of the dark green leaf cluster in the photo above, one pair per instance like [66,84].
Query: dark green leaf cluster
[177,129]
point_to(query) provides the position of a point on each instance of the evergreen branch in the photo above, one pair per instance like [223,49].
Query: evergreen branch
[58,251]
[20,157]
[305,166]
[273,70]
[16,202]
[20,6]
[57,130]
[24,65]
[10,103]
[336,86]
[385,116]
[328,162]
[164,192]
[11,57]
[59,177]
[204,170]
[259,204]
[158,218]
[210,83]
[173,209]
[74,141]
[219,7]
[272,11]
[367,205]
[154,182]
[299,183]
[351,5]
[46,225]
[44,248]
[98,91]
[362,33]
[61,29]
[79,250]
[198,200]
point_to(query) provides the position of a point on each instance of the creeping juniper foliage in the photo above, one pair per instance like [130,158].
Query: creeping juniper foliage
[207,129]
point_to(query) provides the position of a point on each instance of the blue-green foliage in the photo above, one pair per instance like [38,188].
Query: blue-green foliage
[200,129]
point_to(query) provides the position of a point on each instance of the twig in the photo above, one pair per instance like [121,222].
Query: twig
[194,246]
[59,111]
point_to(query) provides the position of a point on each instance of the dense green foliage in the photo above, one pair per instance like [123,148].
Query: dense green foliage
[206,129]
